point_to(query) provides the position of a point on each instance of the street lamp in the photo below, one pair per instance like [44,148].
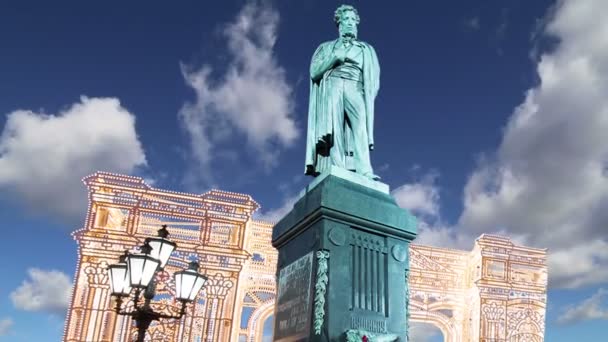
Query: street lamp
[188,282]
[119,277]
[161,246]
[137,271]
[142,267]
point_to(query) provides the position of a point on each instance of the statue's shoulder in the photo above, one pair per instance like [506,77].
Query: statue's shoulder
[326,44]
[366,44]
[369,48]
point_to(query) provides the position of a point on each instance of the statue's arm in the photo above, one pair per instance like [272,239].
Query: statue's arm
[372,86]
[376,74]
[323,60]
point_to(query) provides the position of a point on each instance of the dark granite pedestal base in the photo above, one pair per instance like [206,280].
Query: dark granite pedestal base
[343,261]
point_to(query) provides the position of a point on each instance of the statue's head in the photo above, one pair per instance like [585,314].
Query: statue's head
[347,19]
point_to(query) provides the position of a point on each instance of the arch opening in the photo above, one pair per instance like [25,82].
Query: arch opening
[268,328]
[423,331]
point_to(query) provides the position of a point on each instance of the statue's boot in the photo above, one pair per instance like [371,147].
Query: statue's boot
[310,171]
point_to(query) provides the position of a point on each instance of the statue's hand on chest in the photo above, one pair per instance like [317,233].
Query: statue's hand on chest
[354,55]
[347,54]
[340,53]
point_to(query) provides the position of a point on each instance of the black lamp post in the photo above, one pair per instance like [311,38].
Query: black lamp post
[137,271]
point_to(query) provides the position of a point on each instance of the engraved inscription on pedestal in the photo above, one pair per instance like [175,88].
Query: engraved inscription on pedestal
[368,324]
[293,309]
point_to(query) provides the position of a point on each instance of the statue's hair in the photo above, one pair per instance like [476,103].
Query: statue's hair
[345,8]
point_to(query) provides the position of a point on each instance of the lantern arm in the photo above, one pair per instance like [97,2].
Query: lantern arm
[181,313]
[118,307]
[123,311]
[146,313]
[136,299]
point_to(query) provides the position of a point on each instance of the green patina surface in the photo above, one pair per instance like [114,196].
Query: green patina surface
[320,290]
[344,82]
[362,286]
[341,197]
[361,291]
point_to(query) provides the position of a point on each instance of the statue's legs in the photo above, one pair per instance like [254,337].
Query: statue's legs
[335,105]
[354,106]
[347,106]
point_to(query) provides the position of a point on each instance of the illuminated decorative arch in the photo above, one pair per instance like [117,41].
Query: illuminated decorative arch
[497,291]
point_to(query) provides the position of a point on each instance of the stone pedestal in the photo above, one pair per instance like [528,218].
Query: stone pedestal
[343,262]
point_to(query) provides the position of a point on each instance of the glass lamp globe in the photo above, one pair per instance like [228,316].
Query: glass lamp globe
[119,277]
[161,246]
[142,267]
[188,283]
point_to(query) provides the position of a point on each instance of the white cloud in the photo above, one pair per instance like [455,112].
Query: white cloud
[274,215]
[421,198]
[589,309]
[442,235]
[382,168]
[423,332]
[548,183]
[585,257]
[5,326]
[252,98]
[43,157]
[47,291]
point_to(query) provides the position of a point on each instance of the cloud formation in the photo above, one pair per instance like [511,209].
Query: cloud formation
[5,326]
[43,291]
[274,215]
[252,98]
[421,198]
[43,157]
[547,185]
[589,309]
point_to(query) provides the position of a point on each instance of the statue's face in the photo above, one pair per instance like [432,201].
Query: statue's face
[348,24]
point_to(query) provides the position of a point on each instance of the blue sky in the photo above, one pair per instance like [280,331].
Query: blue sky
[491,117]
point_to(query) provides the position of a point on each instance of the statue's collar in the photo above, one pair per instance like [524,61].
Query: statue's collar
[355,41]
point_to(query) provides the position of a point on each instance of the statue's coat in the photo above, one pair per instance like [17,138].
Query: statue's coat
[320,124]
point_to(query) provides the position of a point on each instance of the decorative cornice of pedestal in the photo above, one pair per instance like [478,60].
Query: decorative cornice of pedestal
[341,199]
[349,176]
